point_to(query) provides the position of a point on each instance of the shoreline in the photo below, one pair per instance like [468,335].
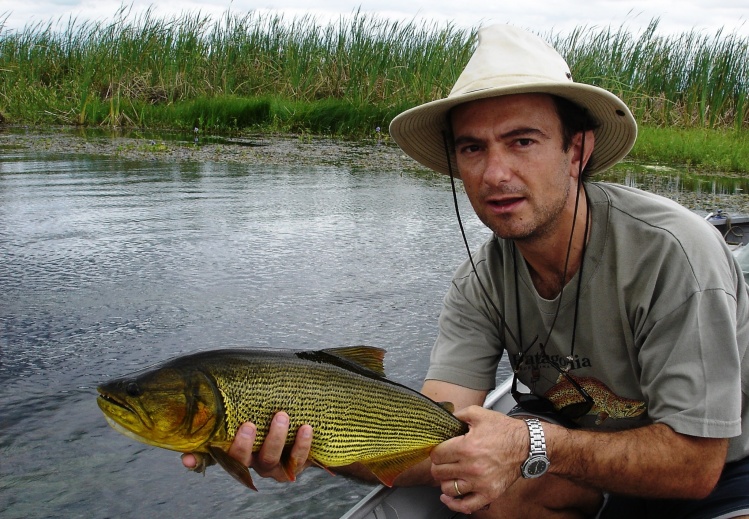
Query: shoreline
[308,150]
[271,150]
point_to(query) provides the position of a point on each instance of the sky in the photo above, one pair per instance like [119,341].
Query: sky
[676,16]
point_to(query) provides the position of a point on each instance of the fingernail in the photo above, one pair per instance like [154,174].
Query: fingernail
[245,430]
[282,419]
[306,432]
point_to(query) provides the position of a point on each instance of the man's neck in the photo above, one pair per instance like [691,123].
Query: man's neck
[546,255]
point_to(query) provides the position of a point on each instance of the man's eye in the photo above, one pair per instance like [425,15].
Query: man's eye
[469,148]
[524,142]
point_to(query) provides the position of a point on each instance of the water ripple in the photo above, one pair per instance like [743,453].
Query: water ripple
[111,265]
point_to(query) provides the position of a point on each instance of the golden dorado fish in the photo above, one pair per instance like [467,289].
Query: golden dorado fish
[195,403]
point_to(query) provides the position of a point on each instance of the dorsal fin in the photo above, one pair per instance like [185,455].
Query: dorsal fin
[369,357]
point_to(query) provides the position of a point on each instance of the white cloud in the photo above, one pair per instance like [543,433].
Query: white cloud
[562,15]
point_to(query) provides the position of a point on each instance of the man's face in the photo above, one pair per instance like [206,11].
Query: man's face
[510,157]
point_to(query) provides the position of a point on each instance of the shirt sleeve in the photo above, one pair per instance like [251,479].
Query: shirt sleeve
[468,347]
[691,366]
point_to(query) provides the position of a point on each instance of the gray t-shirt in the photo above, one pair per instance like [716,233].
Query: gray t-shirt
[662,322]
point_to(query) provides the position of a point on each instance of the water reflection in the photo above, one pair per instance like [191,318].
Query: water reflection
[676,183]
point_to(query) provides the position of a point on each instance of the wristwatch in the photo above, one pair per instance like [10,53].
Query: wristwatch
[537,463]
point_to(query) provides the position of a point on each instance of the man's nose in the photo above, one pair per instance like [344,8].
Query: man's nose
[497,168]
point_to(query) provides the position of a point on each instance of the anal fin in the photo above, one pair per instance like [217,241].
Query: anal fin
[387,468]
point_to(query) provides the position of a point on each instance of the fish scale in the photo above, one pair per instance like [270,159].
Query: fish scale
[377,419]
[197,402]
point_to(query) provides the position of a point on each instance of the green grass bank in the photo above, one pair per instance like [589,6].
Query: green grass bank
[249,72]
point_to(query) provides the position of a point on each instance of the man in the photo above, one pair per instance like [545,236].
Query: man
[624,313]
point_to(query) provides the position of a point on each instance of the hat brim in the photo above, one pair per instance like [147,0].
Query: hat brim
[421,131]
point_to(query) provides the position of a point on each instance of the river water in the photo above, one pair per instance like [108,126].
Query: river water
[110,264]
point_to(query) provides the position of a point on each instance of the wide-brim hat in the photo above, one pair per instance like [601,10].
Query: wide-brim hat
[509,60]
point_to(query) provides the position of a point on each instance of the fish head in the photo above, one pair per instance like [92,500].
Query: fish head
[173,408]
[632,408]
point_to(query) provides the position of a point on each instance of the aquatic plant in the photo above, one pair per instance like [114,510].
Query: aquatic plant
[253,70]
[690,79]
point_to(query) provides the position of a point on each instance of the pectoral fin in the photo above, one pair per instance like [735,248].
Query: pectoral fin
[387,468]
[232,466]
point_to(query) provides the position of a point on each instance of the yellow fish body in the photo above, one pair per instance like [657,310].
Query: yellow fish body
[195,403]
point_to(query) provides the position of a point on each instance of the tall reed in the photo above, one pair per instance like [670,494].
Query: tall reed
[690,79]
[139,70]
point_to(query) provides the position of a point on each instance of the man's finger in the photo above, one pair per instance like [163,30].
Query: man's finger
[270,453]
[301,448]
[189,461]
[465,505]
[241,448]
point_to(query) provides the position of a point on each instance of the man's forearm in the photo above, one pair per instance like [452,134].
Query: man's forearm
[651,461]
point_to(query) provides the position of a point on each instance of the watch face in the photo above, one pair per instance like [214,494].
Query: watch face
[535,467]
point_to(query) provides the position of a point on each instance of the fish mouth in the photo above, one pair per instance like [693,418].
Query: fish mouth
[117,409]
[122,417]
[109,400]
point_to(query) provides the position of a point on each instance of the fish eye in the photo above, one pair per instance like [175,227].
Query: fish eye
[132,389]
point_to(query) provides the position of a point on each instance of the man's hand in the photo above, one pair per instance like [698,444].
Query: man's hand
[267,462]
[483,463]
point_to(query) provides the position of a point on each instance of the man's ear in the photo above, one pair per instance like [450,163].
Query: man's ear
[587,145]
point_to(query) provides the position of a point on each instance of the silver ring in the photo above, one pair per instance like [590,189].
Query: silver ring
[457,490]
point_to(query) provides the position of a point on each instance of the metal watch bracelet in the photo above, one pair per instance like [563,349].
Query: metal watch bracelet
[538,462]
